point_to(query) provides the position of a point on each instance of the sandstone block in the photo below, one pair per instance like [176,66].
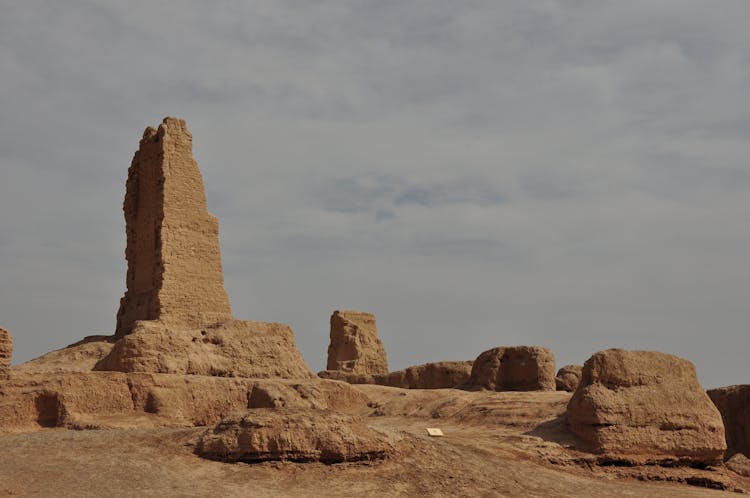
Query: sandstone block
[6,353]
[174,261]
[568,378]
[733,403]
[355,346]
[293,435]
[645,407]
[514,368]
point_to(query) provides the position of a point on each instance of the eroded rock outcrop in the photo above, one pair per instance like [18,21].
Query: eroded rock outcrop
[645,407]
[513,368]
[174,261]
[733,403]
[175,316]
[355,346]
[6,353]
[293,435]
[568,378]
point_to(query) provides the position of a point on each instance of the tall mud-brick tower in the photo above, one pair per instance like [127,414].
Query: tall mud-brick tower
[174,261]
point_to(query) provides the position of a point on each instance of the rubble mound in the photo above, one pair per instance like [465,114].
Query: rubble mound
[513,368]
[230,349]
[643,407]
[568,378]
[6,353]
[733,403]
[293,435]
[355,346]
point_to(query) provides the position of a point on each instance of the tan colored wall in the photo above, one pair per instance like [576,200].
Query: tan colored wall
[174,259]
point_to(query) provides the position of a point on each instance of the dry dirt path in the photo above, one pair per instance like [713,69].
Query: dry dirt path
[469,461]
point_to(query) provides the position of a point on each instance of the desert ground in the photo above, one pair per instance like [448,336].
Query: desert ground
[495,444]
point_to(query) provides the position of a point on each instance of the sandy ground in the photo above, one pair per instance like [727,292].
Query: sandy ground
[495,444]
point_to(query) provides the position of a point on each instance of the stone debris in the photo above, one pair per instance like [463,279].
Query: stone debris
[645,407]
[174,261]
[568,378]
[513,368]
[6,353]
[293,435]
[355,346]
[733,403]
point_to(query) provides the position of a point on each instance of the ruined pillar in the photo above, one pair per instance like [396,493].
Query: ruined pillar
[6,353]
[174,262]
[355,346]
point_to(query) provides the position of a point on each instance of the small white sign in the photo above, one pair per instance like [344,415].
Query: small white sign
[434,432]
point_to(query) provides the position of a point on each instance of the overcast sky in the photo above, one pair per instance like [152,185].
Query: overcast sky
[570,174]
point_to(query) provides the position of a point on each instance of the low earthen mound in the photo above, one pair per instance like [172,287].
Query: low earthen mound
[568,378]
[231,349]
[514,368]
[79,357]
[353,378]
[437,375]
[355,346]
[6,353]
[293,435]
[733,403]
[645,407]
[739,464]
[100,400]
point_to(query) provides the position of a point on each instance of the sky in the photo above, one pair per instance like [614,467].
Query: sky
[569,174]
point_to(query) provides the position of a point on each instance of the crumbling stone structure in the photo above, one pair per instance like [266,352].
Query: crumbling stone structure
[6,353]
[174,262]
[355,346]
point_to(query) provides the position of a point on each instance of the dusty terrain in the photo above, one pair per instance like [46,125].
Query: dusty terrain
[495,444]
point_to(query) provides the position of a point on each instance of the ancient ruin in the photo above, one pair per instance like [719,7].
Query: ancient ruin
[733,403]
[294,435]
[435,375]
[645,407]
[355,346]
[174,261]
[568,378]
[514,368]
[175,315]
[6,353]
